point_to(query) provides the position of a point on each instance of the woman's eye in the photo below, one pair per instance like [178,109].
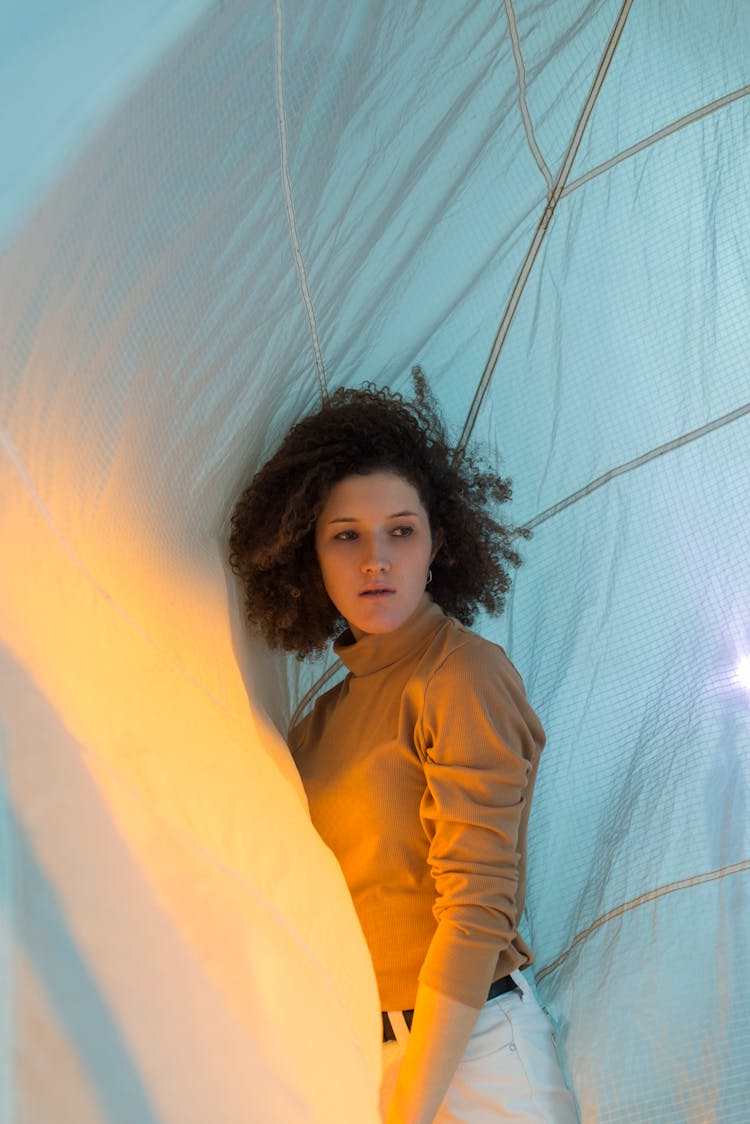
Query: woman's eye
[403,532]
[346,536]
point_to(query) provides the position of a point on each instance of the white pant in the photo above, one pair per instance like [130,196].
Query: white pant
[509,1070]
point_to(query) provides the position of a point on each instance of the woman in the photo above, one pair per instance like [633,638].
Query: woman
[419,766]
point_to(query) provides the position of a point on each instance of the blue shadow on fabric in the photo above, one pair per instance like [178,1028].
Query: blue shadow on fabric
[45,938]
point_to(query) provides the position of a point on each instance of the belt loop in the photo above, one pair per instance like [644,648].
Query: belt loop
[520,981]
[400,1029]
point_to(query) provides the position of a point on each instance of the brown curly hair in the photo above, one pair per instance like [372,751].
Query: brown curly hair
[272,542]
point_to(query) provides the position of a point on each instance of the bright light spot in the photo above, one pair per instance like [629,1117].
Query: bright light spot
[743,672]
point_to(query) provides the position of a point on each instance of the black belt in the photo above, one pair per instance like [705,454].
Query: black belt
[499,987]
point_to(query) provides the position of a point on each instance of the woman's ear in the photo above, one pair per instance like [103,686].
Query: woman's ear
[438,539]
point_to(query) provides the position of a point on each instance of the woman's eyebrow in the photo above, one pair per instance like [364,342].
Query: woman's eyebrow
[354,519]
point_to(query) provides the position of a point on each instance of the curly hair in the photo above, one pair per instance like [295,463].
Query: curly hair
[272,542]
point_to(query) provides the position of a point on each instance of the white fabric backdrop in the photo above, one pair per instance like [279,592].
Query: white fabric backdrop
[208,214]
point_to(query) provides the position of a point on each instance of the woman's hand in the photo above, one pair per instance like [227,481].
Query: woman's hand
[440,1030]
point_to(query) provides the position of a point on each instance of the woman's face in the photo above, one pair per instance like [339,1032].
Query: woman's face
[374,547]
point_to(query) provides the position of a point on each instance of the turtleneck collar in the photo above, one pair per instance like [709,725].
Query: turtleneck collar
[375,651]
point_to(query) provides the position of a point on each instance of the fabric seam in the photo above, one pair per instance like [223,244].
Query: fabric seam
[289,206]
[636,903]
[528,126]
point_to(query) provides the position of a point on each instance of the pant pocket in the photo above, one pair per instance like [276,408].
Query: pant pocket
[492,1034]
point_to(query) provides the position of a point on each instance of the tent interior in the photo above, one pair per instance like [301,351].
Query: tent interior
[212,214]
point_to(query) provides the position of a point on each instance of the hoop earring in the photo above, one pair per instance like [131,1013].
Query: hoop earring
[429,577]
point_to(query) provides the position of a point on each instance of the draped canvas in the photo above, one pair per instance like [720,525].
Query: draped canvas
[211,215]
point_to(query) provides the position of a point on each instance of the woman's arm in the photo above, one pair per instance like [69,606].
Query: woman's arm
[440,1030]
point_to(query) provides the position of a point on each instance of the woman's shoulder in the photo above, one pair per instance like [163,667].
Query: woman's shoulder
[458,649]
[468,678]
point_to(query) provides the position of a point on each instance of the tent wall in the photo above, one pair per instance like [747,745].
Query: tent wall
[211,215]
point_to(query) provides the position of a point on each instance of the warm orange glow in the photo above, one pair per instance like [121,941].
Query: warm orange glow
[132,652]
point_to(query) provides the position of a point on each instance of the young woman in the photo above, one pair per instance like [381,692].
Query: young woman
[419,766]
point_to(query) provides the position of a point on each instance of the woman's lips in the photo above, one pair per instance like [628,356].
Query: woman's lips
[379,591]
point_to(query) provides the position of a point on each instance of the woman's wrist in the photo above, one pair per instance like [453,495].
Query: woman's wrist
[440,1030]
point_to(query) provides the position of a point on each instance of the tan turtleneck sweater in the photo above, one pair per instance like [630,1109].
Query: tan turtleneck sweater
[419,768]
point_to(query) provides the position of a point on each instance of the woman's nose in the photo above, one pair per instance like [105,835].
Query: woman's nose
[376,566]
[375,560]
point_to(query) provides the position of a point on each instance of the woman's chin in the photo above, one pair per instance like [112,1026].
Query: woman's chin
[380,617]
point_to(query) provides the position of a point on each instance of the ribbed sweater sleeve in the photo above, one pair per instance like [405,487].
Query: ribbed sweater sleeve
[480,744]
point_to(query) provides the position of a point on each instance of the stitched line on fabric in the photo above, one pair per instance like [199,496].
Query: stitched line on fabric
[505,323]
[637,462]
[317,686]
[544,222]
[289,204]
[636,903]
[525,115]
[667,131]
